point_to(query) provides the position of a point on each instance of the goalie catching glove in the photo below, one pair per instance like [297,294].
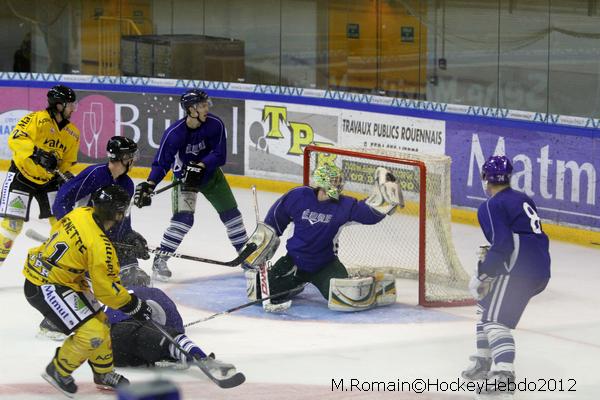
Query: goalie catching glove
[386,194]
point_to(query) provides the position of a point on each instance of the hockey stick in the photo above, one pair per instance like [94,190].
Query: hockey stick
[248,249]
[235,380]
[242,306]
[38,237]
[263,270]
[165,188]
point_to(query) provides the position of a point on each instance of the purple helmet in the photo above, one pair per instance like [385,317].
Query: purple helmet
[497,169]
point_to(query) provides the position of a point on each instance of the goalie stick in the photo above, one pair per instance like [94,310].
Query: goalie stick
[225,383]
[248,249]
[242,306]
[263,270]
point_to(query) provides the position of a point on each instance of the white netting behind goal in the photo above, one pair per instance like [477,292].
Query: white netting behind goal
[410,243]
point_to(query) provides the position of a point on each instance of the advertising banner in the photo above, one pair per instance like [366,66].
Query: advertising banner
[558,170]
[557,165]
[140,116]
[276,134]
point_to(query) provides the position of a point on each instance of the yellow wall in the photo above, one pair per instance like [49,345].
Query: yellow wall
[103,36]
[354,62]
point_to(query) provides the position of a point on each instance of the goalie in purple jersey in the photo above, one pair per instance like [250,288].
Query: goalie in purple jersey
[194,147]
[513,269]
[137,343]
[318,213]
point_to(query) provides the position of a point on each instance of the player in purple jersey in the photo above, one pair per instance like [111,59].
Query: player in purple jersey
[141,344]
[513,269]
[194,147]
[122,153]
[318,213]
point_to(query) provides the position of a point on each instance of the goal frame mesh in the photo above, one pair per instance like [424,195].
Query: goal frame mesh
[422,235]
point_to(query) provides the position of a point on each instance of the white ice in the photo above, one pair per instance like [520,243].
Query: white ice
[557,338]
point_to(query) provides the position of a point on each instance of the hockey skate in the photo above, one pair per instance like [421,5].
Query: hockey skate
[218,368]
[160,271]
[478,370]
[50,331]
[499,383]
[277,307]
[64,384]
[110,380]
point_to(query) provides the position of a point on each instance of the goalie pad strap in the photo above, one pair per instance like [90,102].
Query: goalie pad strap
[355,294]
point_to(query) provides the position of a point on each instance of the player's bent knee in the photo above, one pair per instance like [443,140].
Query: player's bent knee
[93,333]
[356,294]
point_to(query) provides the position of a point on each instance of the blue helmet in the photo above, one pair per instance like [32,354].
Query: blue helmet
[497,169]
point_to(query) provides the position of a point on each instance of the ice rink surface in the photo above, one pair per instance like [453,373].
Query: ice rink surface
[298,355]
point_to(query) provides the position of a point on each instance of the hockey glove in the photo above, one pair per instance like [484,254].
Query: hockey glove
[482,252]
[192,179]
[137,309]
[140,245]
[44,159]
[143,194]
[480,286]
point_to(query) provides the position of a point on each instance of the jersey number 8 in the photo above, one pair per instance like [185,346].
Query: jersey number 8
[534,220]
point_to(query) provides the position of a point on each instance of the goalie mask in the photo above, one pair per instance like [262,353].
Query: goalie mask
[329,178]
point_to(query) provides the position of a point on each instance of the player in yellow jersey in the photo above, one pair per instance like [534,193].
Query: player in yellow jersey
[44,146]
[69,275]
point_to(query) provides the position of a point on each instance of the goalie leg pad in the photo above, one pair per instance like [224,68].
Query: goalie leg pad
[356,294]
[252,284]
[266,241]
[385,287]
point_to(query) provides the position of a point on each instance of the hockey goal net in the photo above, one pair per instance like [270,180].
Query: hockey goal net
[414,242]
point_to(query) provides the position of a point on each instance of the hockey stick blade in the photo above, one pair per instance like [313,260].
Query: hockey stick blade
[226,383]
[242,306]
[248,249]
[38,237]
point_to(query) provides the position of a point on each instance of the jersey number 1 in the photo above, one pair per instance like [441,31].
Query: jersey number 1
[534,220]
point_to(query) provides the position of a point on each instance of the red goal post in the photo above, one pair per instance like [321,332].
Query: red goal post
[391,245]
